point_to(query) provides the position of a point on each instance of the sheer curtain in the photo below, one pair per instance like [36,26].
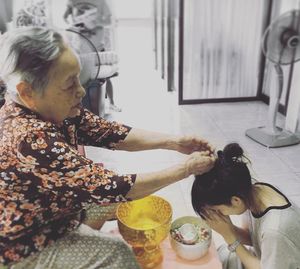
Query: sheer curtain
[221,48]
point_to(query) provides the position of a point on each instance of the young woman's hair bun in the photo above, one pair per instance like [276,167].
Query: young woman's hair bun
[232,152]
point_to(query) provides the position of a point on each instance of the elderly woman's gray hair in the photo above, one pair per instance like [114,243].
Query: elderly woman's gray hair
[27,54]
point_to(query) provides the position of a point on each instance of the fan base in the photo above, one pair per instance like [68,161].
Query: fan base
[281,139]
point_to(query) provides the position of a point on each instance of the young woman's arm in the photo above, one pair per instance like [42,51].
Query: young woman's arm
[243,235]
[223,225]
[247,258]
[217,221]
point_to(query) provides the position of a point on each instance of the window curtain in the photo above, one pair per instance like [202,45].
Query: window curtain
[221,48]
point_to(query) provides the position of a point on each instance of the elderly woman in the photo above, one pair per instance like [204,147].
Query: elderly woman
[47,187]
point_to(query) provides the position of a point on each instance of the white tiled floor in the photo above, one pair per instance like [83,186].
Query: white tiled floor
[146,104]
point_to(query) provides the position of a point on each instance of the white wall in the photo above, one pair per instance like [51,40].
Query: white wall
[133,9]
[57,9]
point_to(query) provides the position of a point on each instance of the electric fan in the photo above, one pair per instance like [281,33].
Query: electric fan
[281,46]
[92,76]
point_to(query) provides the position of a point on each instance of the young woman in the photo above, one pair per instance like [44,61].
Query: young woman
[273,228]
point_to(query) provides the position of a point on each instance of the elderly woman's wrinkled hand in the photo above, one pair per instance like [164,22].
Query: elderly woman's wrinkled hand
[190,144]
[199,163]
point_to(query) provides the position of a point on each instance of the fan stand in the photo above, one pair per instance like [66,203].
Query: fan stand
[272,136]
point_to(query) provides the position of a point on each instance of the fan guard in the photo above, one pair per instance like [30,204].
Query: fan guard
[281,40]
[281,46]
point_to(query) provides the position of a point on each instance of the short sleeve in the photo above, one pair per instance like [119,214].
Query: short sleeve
[98,132]
[75,180]
[278,252]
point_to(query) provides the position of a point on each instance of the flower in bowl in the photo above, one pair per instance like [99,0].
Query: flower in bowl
[190,237]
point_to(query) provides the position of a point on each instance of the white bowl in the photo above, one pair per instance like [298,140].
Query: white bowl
[190,252]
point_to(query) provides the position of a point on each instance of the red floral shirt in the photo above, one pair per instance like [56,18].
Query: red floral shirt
[45,182]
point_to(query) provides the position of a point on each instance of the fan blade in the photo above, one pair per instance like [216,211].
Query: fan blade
[281,41]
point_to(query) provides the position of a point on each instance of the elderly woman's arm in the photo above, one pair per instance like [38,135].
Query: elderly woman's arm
[98,132]
[138,139]
[59,168]
[148,183]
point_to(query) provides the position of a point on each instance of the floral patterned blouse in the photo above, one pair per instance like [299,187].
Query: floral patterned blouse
[44,181]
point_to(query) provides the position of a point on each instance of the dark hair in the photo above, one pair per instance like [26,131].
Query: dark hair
[229,177]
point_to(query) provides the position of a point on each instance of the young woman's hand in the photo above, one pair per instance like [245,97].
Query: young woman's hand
[221,224]
[190,144]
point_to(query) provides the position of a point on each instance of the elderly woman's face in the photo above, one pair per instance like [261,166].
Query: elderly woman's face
[62,97]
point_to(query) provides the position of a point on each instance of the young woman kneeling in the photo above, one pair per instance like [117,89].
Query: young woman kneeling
[272,230]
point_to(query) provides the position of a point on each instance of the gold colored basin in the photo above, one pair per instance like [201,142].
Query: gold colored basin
[144,224]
